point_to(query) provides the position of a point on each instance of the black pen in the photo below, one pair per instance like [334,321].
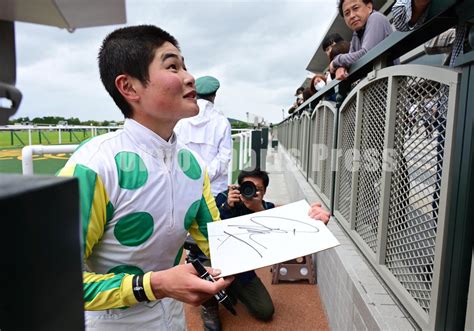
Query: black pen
[221,296]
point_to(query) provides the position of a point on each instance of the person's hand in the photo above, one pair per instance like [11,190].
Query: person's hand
[341,73]
[233,196]
[328,77]
[255,204]
[183,284]
[332,69]
[319,213]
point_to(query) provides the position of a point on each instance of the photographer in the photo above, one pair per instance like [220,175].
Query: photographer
[244,199]
[239,200]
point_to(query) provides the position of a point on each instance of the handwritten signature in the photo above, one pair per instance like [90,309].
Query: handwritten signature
[258,229]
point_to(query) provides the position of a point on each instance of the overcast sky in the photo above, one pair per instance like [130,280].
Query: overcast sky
[257,49]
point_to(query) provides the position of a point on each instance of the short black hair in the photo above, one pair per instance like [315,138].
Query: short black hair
[263,175]
[341,2]
[331,39]
[341,47]
[130,51]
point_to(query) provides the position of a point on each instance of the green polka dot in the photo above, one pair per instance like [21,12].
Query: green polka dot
[131,170]
[200,212]
[203,216]
[109,211]
[188,163]
[126,269]
[134,229]
[191,214]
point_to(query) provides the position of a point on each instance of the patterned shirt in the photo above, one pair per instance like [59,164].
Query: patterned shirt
[139,195]
[402,12]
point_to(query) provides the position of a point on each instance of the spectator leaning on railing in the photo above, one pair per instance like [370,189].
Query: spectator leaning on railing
[369,27]
[333,44]
[299,99]
[318,82]
[410,14]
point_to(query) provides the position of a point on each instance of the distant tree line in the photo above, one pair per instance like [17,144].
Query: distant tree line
[53,120]
[236,124]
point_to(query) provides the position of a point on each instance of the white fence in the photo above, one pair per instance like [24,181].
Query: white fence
[243,154]
[31,129]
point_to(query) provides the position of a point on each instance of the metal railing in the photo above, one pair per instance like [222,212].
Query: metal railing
[24,135]
[241,154]
[383,163]
[27,153]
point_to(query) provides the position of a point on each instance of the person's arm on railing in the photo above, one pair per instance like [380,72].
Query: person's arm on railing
[409,14]
[377,29]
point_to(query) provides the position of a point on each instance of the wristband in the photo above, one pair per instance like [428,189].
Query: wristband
[138,288]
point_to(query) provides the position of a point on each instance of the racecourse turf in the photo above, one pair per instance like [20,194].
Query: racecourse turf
[11,143]
[48,164]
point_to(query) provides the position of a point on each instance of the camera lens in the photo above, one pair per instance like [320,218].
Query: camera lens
[248,190]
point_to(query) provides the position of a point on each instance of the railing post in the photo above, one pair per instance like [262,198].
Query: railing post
[256,144]
[341,91]
[356,159]
[386,179]
[340,96]
[245,153]
[241,150]
[264,148]
[452,312]
[309,143]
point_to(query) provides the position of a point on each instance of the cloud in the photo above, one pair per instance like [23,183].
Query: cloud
[257,49]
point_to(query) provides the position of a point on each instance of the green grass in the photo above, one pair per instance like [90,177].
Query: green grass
[11,144]
[19,139]
[10,155]
[10,162]
[235,161]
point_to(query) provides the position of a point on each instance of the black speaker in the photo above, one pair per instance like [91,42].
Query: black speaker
[41,263]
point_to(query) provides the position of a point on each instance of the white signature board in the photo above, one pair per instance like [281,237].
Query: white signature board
[271,236]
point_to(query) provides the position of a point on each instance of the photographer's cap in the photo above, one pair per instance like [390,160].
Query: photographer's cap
[207,85]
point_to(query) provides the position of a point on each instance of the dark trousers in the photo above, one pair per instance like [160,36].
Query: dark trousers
[248,289]
[254,296]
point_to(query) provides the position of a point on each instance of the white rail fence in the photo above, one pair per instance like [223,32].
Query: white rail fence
[243,154]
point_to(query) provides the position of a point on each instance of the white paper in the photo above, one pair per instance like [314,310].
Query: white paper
[261,239]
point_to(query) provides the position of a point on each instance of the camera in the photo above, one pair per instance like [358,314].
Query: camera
[248,190]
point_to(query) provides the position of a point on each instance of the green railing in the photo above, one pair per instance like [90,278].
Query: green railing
[387,159]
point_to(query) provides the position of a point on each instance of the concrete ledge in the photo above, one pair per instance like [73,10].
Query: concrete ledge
[352,294]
